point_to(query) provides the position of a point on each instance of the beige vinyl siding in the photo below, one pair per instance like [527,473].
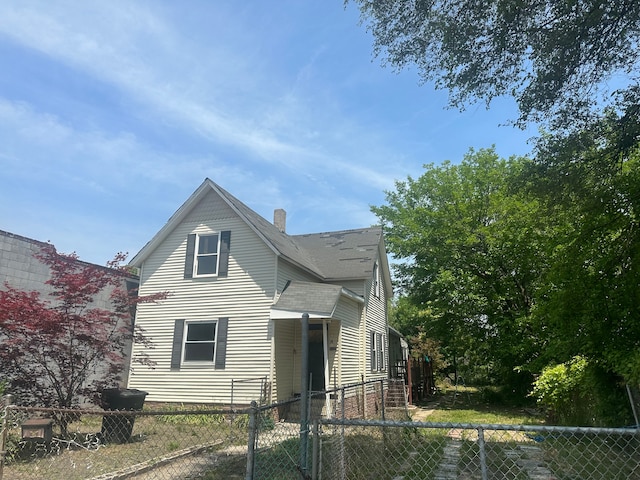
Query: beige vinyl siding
[244,296]
[288,355]
[376,321]
[285,358]
[348,313]
[286,361]
[287,272]
[356,286]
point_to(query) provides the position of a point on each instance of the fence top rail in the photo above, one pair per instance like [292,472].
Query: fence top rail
[632,430]
[246,380]
[71,411]
[322,393]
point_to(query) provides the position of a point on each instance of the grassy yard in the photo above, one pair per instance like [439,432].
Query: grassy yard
[468,405]
[154,440]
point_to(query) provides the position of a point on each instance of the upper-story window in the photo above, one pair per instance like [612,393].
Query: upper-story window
[376,281]
[206,261]
[207,255]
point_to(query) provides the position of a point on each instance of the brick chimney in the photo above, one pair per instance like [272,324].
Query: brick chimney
[280,219]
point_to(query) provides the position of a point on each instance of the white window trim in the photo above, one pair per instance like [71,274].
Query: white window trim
[378,359]
[185,334]
[196,255]
[376,280]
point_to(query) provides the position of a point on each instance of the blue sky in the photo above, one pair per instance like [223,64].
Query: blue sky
[112,113]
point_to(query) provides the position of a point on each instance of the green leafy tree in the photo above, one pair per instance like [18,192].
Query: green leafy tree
[553,57]
[591,301]
[473,247]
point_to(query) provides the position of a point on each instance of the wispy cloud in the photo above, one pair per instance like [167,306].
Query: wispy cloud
[137,50]
[119,107]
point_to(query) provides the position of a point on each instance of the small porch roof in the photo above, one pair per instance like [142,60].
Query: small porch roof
[319,300]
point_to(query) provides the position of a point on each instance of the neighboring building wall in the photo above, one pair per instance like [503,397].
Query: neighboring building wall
[21,269]
[18,265]
[244,297]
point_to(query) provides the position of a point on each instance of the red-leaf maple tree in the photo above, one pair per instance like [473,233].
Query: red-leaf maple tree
[62,351]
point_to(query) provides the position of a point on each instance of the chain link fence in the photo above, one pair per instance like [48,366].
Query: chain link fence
[365,449]
[281,446]
[143,445]
[355,432]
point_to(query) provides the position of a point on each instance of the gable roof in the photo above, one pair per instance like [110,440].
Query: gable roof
[343,255]
[319,300]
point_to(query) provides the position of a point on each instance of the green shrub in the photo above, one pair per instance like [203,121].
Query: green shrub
[581,393]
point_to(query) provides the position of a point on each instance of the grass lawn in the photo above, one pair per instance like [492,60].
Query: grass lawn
[154,439]
[467,405]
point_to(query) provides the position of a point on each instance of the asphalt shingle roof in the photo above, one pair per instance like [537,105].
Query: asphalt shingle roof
[347,254]
[313,298]
[331,256]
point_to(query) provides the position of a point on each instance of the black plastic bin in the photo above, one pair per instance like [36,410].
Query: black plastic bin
[118,428]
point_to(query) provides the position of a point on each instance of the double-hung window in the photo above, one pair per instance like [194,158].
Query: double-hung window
[206,261]
[200,342]
[377,352]
[207,255]
[376,281]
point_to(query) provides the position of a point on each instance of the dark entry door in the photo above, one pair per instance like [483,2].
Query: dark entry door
[316,366]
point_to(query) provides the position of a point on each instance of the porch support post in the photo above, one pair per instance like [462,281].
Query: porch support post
[325,344]
[304,393]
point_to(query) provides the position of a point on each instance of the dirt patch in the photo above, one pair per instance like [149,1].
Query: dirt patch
[421,414]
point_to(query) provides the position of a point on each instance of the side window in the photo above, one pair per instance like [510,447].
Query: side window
[377,352]
[376,281]
[207,255]
[374,352]
[199,343]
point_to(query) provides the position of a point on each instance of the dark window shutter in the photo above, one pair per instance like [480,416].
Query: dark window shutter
[372,336]
[176,349]
[188,262]
[221,343]
[225,246]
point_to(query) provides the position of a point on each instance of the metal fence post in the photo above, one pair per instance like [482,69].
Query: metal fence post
[251,444]
[342,464]
[382,397]
[315,450]
[7,401]
[304,387]
[232,382]
[482,453]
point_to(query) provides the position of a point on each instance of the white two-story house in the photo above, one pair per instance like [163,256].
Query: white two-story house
[239,286]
